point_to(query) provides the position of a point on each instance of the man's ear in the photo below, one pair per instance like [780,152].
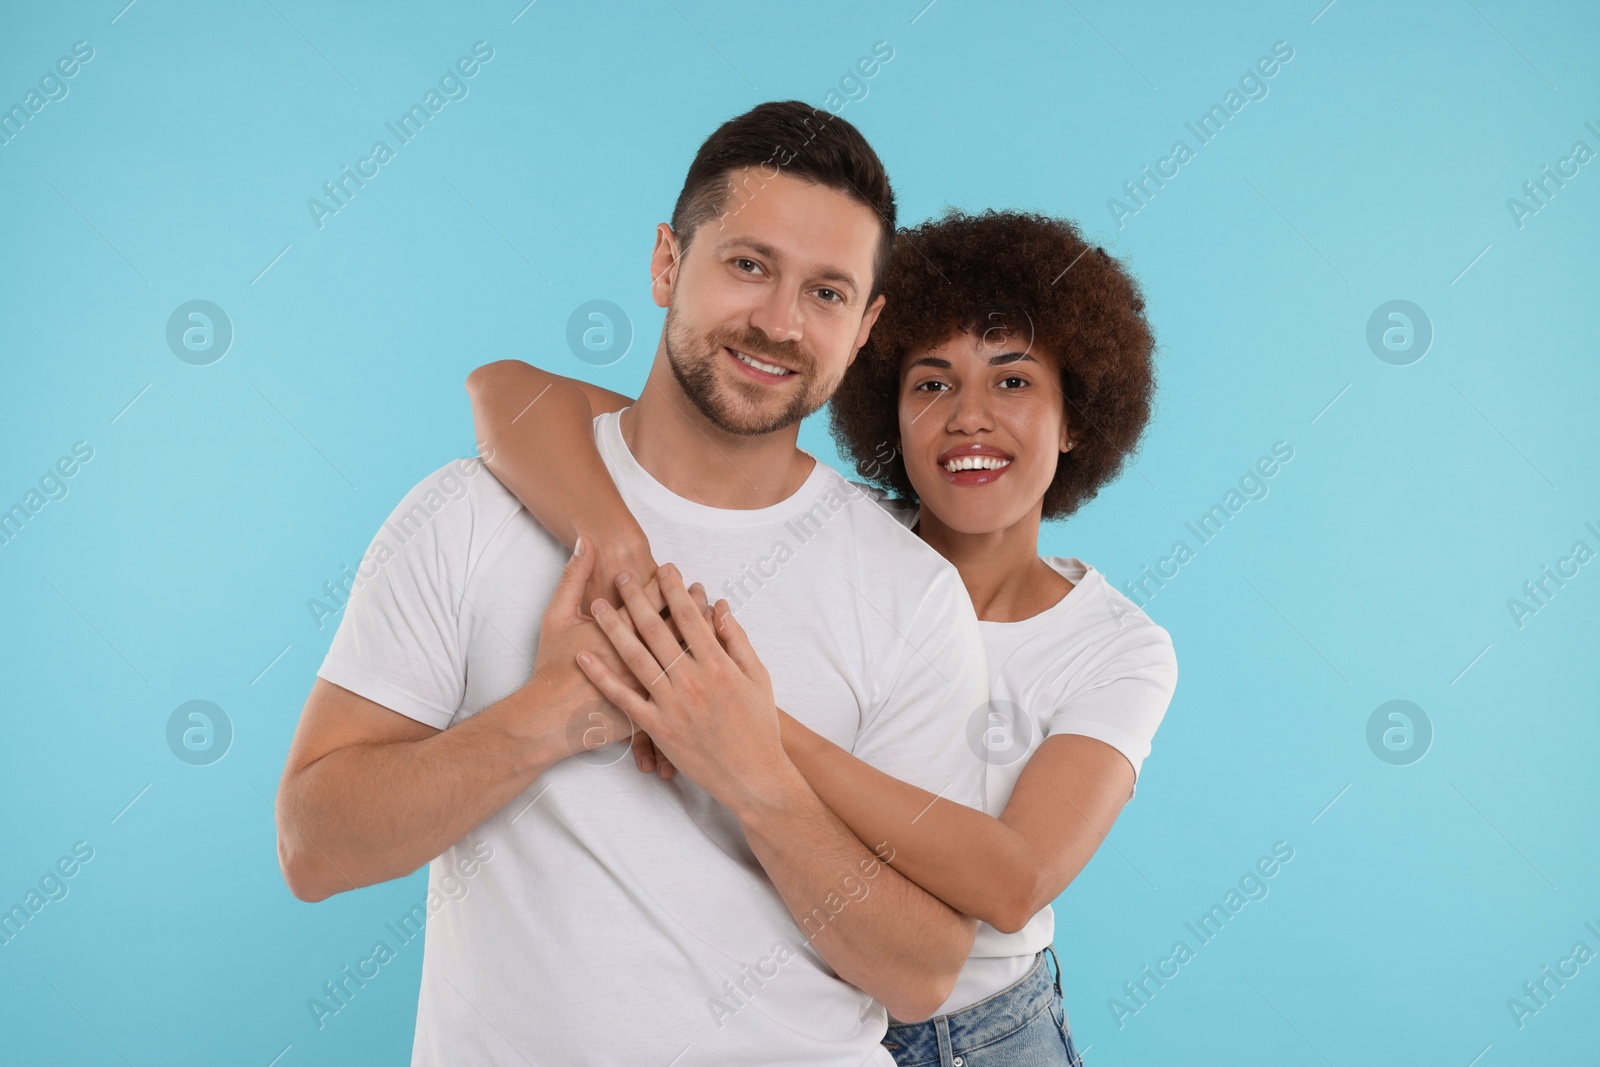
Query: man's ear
[664,260]
[870,317]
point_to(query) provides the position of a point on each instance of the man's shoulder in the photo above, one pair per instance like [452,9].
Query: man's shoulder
[466,478]
[460,502]
[903,512]
[877,535]
[900,576]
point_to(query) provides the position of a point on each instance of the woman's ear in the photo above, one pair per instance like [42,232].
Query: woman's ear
[1066,437]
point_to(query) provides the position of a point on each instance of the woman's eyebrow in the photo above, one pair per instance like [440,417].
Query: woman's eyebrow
[1002,360]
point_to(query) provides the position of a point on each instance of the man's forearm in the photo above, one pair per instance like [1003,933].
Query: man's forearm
[879,931]
[367,813]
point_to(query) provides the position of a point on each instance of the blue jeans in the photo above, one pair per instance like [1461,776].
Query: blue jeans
[1023,1025]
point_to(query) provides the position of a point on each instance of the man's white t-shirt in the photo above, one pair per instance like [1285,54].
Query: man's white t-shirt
[1091,664]
[618,918]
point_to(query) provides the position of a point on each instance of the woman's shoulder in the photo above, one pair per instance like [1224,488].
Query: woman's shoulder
[1107,617]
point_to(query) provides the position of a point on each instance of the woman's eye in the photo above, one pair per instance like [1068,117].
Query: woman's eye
[929,386]
[1005,382]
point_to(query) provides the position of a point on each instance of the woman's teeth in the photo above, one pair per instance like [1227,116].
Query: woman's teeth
[758,365]
[976,463]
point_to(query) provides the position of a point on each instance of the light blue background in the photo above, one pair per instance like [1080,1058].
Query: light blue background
[1378,167]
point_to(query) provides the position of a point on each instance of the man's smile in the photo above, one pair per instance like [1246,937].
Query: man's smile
[759,369]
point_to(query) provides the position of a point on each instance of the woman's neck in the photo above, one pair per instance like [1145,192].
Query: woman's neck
[1002,571]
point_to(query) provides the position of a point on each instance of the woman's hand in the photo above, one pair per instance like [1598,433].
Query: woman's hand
[710,707]
[616,556]
[563,632]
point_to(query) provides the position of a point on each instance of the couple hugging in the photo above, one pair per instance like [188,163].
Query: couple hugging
[817,815]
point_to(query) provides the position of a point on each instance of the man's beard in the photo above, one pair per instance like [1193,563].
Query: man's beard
[694,364]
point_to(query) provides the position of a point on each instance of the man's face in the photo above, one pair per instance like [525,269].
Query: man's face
[768,305]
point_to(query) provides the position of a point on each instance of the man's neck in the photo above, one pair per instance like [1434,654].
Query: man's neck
[685,452]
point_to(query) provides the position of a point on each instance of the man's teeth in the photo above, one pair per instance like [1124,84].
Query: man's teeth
[758,365]
[976,463]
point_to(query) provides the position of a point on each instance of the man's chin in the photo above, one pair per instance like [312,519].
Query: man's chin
[745,416]
[753,423]
[737,406]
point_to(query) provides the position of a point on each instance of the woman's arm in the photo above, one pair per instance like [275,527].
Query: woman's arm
[1003,870]
[535,434]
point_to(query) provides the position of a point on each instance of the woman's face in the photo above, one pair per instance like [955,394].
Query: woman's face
[982,423]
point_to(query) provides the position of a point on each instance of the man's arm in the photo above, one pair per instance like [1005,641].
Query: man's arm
[369,794]
[711,711]
[879,930]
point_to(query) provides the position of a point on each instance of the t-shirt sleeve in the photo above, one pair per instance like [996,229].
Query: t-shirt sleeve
[1127,700]
[939,681]
[399,643]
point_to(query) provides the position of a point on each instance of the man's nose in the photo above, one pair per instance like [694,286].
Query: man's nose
[778,315]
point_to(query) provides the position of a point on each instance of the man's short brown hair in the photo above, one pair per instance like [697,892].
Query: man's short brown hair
[1028,276]
[785,137]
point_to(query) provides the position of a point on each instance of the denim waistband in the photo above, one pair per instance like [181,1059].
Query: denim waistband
[991,1018]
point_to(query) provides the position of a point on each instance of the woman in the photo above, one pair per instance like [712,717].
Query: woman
[1006,381]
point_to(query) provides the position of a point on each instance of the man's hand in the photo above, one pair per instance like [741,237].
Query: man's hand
[645,753]
[564,632]
[709,710]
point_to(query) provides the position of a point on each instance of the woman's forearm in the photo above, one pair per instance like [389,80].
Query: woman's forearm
[972,861]
[536,435]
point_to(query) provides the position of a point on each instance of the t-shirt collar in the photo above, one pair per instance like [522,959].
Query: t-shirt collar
[633,479]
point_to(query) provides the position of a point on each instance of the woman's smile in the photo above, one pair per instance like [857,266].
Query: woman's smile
[982,425]
[974,464]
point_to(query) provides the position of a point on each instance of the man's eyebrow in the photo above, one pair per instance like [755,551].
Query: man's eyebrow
[842,278]
[758,247]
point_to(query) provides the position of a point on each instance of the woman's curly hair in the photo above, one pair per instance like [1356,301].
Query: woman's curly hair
[1024,275]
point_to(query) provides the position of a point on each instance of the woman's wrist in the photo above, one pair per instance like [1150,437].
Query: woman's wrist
[797,738]
[617,550]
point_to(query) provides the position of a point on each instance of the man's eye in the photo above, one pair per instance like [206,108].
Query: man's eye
[830,295]
[746,265]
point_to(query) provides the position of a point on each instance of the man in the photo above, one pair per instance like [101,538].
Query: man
[607,916]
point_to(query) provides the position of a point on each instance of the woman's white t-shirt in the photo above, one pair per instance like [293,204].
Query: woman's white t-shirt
[1091,664]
